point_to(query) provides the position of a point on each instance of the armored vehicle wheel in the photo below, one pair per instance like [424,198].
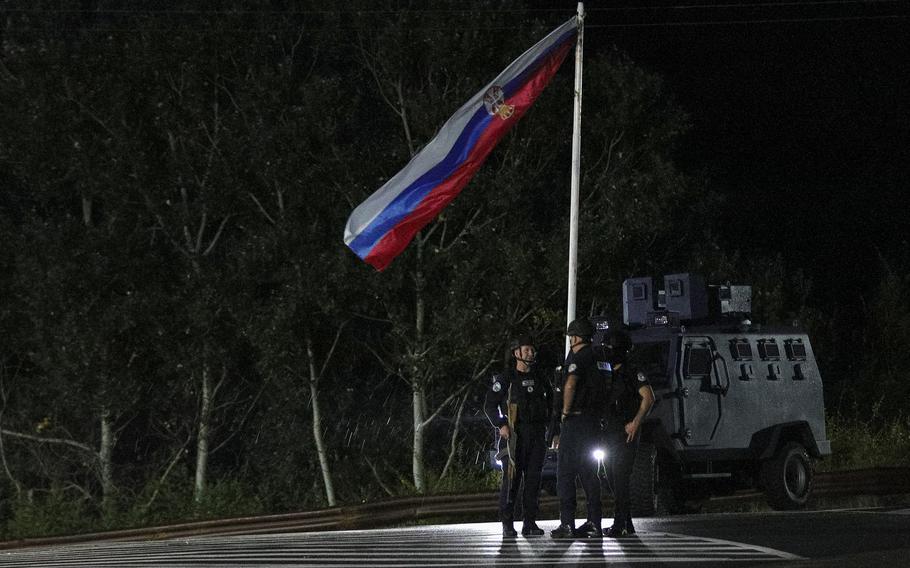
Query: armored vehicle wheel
[787,477]
[650,493]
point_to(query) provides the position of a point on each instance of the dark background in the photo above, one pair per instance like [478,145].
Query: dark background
[799,118]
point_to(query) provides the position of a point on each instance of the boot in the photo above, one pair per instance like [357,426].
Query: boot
[508,530]
[530,528]
[589,530]
[617,531]
[565,530]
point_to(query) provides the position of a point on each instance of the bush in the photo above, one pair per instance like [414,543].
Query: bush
[859,441]
[467,481]
[47,514]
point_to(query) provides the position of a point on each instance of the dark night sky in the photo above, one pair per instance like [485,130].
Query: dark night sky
[804,124]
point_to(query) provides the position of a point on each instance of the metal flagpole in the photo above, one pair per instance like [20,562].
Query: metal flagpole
[576,173]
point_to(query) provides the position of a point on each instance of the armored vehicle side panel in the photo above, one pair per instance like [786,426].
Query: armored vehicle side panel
[728,401]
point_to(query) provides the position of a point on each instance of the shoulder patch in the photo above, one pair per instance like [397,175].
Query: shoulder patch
[497,386]
[571,369]
[641,377]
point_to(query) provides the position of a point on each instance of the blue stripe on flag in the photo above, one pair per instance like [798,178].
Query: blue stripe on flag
[414,194]
[411,196]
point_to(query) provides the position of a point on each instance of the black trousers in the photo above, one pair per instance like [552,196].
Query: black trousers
[620,459]
[531,448]
[577,441]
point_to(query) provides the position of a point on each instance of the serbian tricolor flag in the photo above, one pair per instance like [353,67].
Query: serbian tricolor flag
[383,225]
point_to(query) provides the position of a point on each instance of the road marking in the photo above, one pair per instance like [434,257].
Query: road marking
[443,546]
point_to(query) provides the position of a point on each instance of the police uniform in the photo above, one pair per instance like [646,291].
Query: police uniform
[623,404]
[533,395]
[578,437]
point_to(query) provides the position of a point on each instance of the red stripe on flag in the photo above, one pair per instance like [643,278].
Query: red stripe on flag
[397,239]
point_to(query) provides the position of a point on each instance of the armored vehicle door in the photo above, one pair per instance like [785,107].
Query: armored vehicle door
[702,387]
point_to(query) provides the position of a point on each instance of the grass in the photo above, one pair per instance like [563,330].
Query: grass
[859,440]
[864,440]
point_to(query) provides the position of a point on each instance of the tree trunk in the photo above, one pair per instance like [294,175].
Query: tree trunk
[420,482]
[203,433]
[105,455]
[317,425]
[419,396]
[106,450]
[453,444]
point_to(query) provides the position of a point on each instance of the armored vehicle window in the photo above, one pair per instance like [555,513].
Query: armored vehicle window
[698,362]
[741,349]
[675,288]
[651,359]
[796,351]
[768,349]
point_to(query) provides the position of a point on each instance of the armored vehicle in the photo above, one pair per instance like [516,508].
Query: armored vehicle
[736,404]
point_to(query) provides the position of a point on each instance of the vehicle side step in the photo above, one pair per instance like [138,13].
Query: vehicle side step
[706,475]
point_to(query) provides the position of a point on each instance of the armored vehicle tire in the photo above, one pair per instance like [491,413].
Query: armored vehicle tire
[787,477]
[650,494]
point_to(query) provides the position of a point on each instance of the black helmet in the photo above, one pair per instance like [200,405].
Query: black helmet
[519,340]
[616,345]
[581,327]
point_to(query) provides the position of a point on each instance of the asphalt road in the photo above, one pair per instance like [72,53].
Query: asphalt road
[871,537]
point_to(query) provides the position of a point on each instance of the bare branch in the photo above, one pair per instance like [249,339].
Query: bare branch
[201,231]
[328,356]
[6,469]
[220,381]
[370,63]
[382,484]
[217,236]
[454,440]
[167,472]
[467,227]
[262,209]
[54,441]
[449,399]
[88,112]
[279,195]
[234,103]
[371,318]
[9,74]
[85,493]
[382,361]
[246,415]
[404,118]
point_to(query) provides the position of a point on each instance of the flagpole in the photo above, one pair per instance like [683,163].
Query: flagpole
[576,173]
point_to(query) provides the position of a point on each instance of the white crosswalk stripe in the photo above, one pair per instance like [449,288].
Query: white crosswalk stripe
[449,545]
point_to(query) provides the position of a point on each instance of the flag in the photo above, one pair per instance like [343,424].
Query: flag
[383,225]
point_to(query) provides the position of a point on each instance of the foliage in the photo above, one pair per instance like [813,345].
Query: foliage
[865,439]
[52,513]
[174,192]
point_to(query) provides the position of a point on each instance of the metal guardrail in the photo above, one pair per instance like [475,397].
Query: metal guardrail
[877,481]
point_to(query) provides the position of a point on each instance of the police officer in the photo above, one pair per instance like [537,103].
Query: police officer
[629,401]
[519,404]
[581,410]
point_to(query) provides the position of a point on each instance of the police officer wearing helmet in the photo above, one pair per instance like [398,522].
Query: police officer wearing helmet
[581,410]
[518,403]
[628,403]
